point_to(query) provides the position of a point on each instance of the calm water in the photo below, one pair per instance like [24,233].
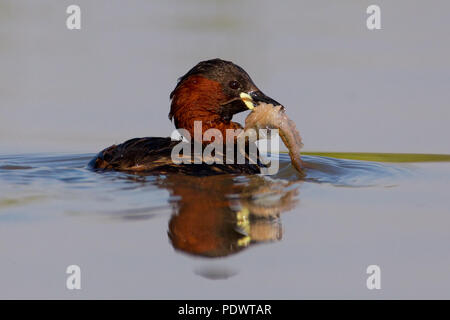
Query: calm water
[229,236]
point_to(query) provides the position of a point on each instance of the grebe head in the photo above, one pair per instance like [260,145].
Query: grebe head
[212,92]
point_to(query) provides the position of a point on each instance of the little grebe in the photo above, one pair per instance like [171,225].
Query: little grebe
[211,92]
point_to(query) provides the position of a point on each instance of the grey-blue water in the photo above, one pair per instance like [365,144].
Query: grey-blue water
[229,236]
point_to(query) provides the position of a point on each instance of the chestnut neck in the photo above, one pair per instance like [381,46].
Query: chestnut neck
[199,99]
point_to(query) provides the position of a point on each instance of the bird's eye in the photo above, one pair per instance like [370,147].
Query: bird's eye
[234,84]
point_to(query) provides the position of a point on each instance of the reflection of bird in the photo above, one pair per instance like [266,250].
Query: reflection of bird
[215,216]
[211,92]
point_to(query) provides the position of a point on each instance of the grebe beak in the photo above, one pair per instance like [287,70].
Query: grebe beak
[256,96]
